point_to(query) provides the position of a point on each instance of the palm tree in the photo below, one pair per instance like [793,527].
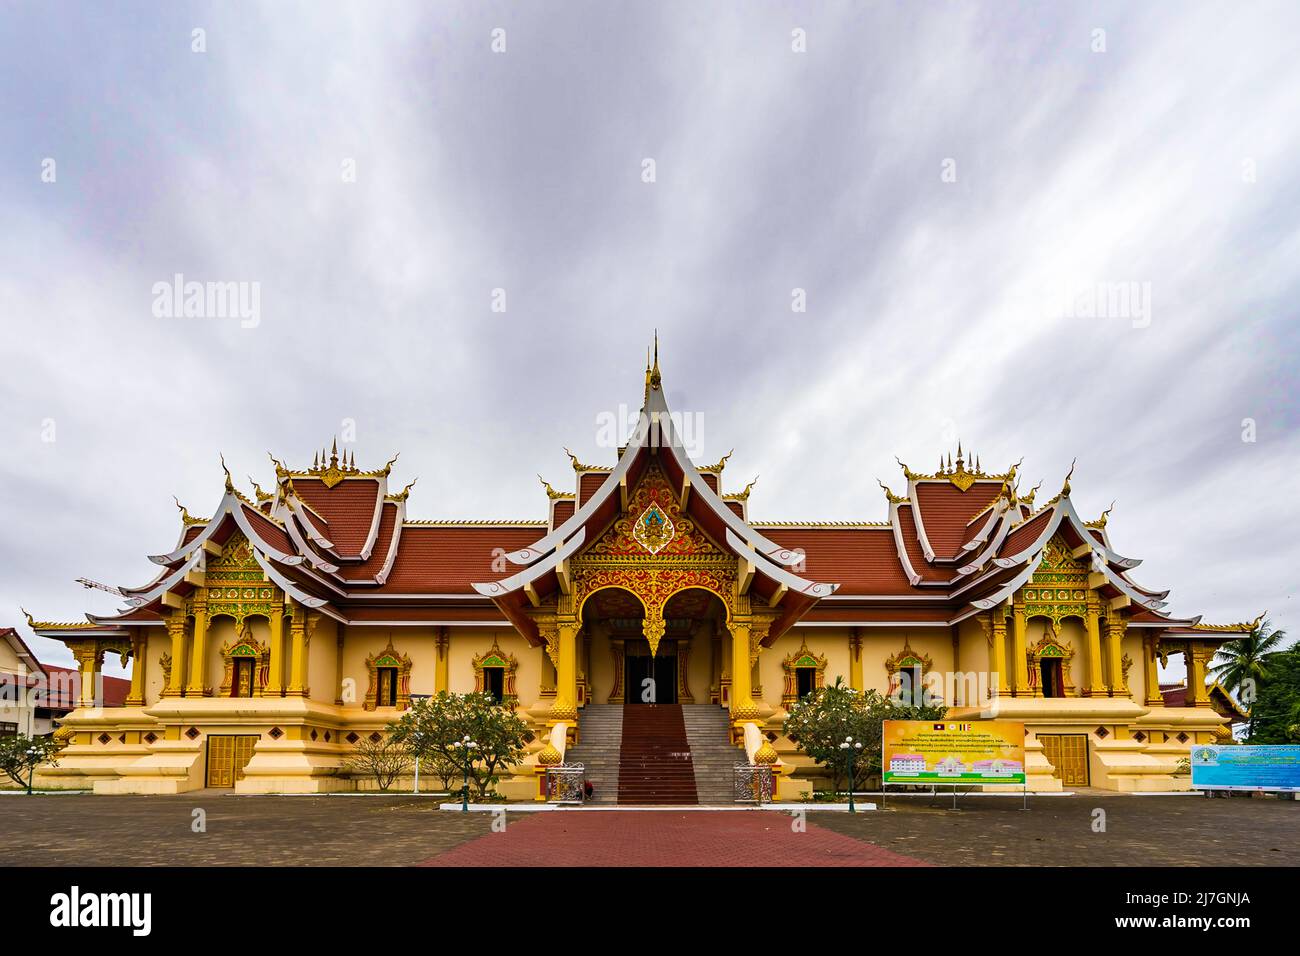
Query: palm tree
[1243,663]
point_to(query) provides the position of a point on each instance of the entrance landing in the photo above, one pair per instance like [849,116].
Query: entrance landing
[667,838]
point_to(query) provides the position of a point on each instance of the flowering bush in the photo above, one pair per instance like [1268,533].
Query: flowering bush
[449,730]
[21,755]
[822,721]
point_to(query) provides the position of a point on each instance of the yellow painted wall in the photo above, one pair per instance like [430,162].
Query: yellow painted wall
[322,659]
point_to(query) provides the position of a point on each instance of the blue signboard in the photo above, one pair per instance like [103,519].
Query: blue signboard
[1244,767]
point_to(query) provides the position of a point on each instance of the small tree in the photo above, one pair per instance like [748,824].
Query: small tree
[820,723]
[385,759]
[433,727]
[20,755]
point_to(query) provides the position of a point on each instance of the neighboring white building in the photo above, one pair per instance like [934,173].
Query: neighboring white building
[20,674]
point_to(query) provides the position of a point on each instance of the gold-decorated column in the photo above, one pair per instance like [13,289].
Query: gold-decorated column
[1019,661]
[742,703]
[89,658]
[1151,672]
[175,686]
[442,672]
[855,659]
[1000,680]
[1096,683]
[1197,657]
[139,654]
[198,685]
[300,642]
[566,672]
[275,679]
[1115,628]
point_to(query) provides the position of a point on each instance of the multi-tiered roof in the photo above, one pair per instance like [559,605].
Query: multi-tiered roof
[337,539]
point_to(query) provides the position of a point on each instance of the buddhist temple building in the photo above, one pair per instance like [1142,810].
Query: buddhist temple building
[294,622]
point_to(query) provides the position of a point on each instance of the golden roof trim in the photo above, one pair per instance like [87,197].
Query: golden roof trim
[475,523]
[821,524]
[58,625]
[716,467]
[741,495]
[579,466]
[1239,626]
[553,494]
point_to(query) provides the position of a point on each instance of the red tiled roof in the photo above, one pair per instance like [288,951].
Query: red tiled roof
[269,531]
[912,545]
[860,560]
[447,559]
[946,511]
[563,512]
[589,484]
[1025,535]
[62,689]
[372,565]
[349,507]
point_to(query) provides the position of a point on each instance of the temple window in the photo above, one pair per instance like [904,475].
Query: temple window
[390,679]
[386,695]
[805,672]
[243,677]
[906,671]
[494,673]
[494,683]
[1050,670]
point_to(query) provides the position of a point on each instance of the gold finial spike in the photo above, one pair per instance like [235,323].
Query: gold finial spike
[315,462]
[1065,487]
[230,484]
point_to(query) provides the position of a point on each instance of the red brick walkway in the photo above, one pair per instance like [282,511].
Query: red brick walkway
[665,838]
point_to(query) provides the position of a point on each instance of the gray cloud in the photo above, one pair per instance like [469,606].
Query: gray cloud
[926,300]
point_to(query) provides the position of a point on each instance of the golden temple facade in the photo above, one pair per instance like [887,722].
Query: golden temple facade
[291,624]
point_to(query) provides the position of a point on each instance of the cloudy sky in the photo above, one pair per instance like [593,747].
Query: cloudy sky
[960,191]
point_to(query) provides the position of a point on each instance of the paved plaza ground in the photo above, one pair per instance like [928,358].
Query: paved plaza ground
[84,830]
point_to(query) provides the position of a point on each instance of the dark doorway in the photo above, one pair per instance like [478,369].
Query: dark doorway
[662,670]
[494,683]
[806,681]
[1050,669]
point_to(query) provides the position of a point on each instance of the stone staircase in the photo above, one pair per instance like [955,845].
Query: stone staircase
[655,759]
[656,754]
[600,735]
[708,731]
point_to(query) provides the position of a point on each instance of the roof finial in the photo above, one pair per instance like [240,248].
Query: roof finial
[893,498]
[257,490]
[1065,488]
[230,484]
[654,379]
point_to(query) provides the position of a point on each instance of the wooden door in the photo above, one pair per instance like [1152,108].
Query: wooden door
[221,761]
[243,753]
[1068,755]
[228,755]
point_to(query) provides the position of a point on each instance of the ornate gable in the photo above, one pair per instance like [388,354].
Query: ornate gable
[1059,587]
[654,526]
